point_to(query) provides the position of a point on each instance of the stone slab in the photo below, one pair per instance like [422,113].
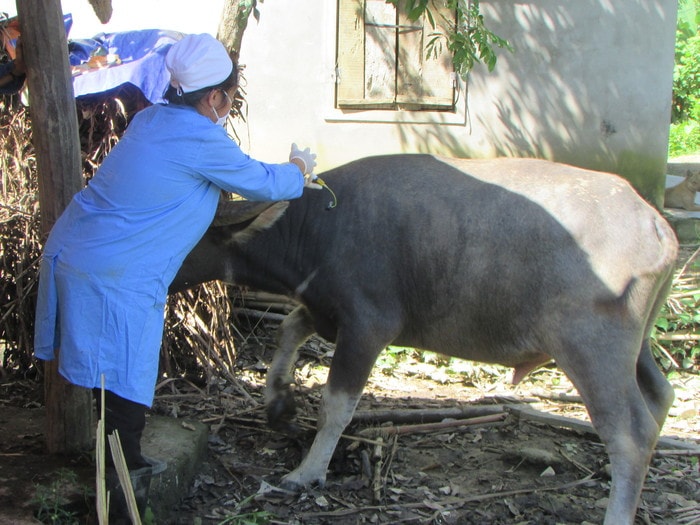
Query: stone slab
[183,444]
[26,469]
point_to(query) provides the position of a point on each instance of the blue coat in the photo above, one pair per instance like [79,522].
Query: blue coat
[112,254]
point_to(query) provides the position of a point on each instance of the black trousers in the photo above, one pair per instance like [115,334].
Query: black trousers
[129,418]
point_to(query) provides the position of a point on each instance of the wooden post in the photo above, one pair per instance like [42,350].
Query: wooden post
[55,137]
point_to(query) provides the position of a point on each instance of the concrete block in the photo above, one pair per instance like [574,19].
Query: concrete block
[183,445]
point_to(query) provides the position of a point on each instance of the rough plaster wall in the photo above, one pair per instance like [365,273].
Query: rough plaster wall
[589,84]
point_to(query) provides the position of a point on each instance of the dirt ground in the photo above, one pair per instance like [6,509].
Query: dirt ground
[514,471]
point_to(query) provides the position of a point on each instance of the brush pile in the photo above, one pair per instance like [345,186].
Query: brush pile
[198,340]
[676,337]
[19,236]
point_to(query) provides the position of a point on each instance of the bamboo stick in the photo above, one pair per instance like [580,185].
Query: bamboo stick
[115,446]
[425,415]
[385,432]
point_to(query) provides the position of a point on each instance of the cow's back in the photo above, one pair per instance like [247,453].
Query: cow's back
[509,205]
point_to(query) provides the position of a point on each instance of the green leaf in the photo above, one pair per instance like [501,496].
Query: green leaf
[662,323]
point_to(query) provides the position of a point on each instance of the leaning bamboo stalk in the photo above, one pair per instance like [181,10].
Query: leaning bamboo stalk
[259,314]
[267,307]
[123,475]
[267,297]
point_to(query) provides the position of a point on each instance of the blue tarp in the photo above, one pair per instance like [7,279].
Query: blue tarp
[109,60]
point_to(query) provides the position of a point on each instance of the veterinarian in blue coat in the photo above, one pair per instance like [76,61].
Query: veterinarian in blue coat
[111,255]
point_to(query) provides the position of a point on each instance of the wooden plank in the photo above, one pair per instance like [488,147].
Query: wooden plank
[55,138]
[424,81]
[409,82]
[380,51]
[351,52]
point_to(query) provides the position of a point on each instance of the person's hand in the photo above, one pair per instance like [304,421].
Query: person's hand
[307,158]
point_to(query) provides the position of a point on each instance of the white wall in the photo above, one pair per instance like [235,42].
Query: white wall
[589,83]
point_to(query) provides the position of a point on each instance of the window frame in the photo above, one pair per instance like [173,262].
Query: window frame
[381,62]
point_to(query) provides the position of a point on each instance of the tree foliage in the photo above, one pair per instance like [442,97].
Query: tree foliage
[686,74]
[685,118]
[466,36]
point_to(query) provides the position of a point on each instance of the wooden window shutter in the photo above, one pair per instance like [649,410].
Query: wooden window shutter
[382,62]
[380,53]
[351,53]
[423,81]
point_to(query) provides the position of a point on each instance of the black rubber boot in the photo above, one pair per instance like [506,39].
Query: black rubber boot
[129,418]
[118,508]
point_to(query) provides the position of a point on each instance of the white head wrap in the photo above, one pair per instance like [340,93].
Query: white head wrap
[196,62]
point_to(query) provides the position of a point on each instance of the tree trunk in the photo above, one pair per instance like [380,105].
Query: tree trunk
[57,146]
[234,20]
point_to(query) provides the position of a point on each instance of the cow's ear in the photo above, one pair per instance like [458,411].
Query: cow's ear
[230,212]
[262,222]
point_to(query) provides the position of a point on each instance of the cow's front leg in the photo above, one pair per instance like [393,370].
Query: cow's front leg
[337,408]
[296,328]
[347,377]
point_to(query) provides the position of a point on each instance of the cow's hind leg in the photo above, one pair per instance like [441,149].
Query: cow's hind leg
[656,390]
[296,328]
[352,363]
[603,366]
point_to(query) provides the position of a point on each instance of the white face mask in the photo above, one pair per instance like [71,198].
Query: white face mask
[221,121]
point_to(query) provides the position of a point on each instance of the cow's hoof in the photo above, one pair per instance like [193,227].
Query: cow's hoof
[281,410]
[293,483]
[291,486]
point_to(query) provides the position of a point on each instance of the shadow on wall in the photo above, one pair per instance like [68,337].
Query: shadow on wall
[589,84]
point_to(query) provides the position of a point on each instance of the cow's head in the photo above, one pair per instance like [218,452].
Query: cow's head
[245,218]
